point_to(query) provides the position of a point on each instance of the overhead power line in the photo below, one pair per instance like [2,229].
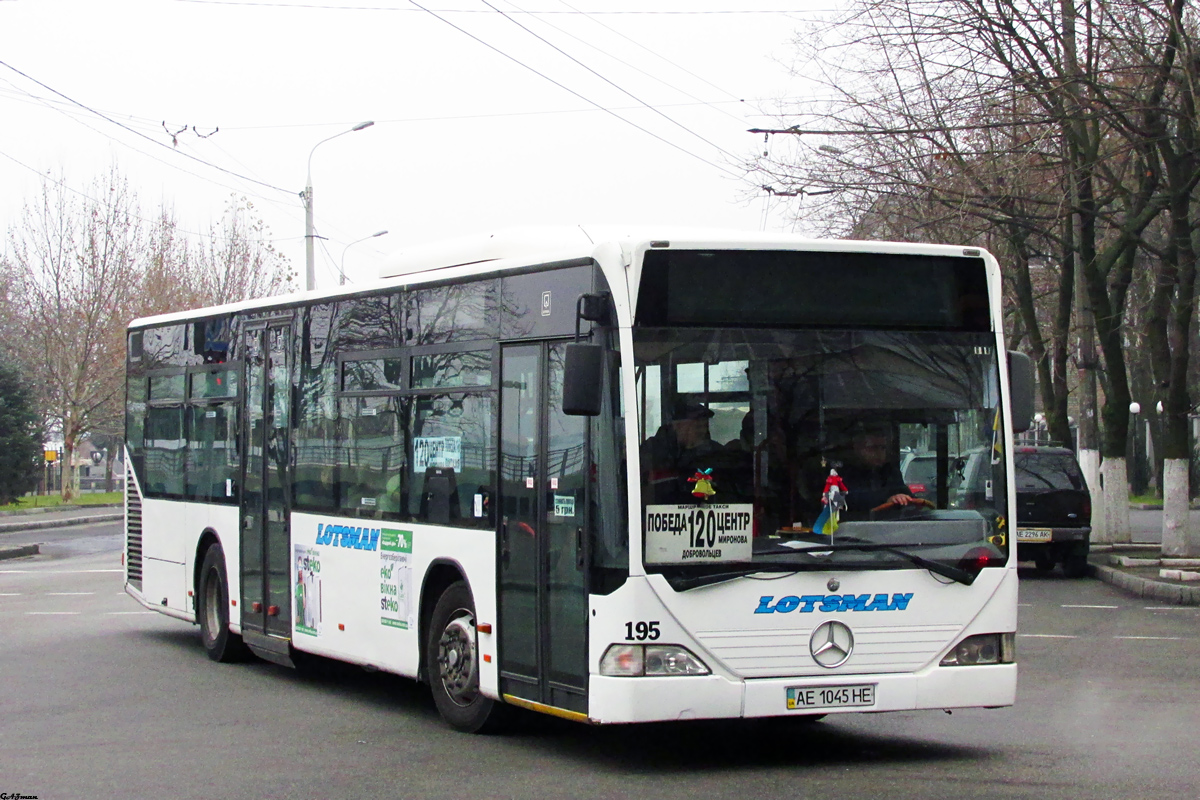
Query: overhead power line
[591,16]
[610,82]
[611,12]
[139,133]
[566,88]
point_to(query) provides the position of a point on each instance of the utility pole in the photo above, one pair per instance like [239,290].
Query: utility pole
[310,271]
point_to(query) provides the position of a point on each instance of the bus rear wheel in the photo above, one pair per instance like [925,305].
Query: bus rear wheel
[452,664]
[212,610]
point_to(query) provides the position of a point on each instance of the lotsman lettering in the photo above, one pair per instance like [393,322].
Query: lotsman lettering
[852,603]
[831,602]
[809,601]
[787,604]
[880,603]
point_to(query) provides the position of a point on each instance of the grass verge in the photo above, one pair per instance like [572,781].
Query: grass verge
[55,501]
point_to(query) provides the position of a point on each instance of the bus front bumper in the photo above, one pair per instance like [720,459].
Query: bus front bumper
[650,699]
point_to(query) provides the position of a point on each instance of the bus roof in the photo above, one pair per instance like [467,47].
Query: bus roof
[514,248]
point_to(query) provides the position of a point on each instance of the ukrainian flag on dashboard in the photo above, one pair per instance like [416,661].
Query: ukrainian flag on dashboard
[826,523]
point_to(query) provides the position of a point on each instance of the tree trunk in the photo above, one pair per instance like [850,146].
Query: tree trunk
[1114,478]
[1179,538]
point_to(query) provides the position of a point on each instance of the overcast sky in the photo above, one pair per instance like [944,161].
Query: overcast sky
[465,139]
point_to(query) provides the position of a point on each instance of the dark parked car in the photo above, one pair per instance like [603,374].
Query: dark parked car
[920,473]
[1054,510]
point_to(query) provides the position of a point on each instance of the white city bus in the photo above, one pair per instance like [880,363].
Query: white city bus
[587,474]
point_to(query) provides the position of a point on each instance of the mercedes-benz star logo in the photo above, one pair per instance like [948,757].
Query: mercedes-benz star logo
[831,644]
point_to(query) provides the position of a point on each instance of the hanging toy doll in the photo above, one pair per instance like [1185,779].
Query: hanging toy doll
[834,498]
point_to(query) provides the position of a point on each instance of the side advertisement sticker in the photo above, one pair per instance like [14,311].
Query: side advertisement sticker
[307,580]
[395,579]
[698,534]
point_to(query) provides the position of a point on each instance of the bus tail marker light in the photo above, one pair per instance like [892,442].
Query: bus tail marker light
[978,559]
[983,648]
[484,627]
[638,660]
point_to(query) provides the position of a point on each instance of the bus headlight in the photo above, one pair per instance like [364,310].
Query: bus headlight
[636,660]
[983,648]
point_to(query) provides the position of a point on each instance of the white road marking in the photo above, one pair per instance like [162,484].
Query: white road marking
[1047,636]
[1170,608]
[54,571]
[1075,606]
[129,612]
[50,613]
[10,594]
[67,594]
[1153,638]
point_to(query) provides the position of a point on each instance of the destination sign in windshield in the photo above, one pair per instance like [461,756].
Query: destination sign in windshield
[699,534]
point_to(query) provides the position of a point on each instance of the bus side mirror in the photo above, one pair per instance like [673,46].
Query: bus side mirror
[1021,383]
[582,376]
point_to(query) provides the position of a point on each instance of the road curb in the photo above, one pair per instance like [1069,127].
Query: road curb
[1171,593]
[18,552]
[31,525]
[21,512]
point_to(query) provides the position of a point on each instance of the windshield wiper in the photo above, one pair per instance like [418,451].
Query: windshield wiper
[953,573]
[696,581]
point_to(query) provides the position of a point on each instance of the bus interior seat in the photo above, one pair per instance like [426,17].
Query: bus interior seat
[439,499]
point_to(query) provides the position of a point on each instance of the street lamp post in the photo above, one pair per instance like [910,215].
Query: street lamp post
[342,268]
[310,274]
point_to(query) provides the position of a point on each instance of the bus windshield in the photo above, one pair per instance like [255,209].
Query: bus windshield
[785,450]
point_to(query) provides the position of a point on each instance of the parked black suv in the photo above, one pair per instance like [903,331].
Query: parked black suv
[1054,510]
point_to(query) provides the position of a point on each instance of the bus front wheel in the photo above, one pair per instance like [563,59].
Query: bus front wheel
[452,664]
[212,610]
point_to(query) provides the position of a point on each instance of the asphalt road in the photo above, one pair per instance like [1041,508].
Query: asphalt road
[100,699]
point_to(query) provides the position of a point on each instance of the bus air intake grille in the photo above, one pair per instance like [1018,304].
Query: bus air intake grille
[133,531]
[785,652]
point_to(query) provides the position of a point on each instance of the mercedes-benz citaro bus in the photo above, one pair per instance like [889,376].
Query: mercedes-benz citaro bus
[611,477]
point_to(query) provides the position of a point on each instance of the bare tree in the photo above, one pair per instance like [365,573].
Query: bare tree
[1051,126]
[236,260]
[76,261]
[82,265]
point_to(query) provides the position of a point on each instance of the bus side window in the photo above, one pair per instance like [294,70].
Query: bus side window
[439,500]
[453,466]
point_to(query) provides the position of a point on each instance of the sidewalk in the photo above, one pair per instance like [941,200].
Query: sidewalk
[54,517]
[1140,570]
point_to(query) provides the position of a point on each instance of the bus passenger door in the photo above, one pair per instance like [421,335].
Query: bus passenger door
[266,485]
[543,502]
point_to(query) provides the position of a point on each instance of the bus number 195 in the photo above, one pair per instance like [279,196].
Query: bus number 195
[641,631]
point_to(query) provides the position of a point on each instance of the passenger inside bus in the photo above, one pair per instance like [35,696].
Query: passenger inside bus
[680,448]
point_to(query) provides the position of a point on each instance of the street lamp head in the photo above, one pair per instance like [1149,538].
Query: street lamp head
[342,269]
[1135,408]
[310,277]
